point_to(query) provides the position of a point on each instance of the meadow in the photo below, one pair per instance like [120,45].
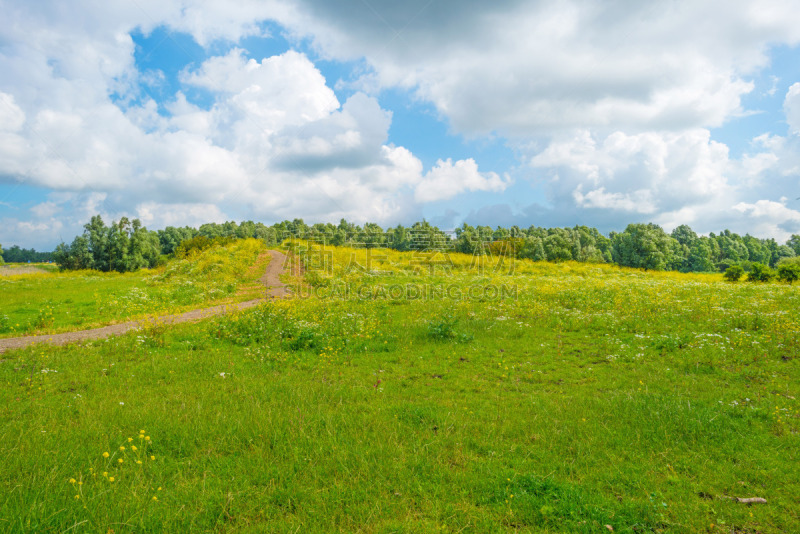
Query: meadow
[52,301]
[413,392]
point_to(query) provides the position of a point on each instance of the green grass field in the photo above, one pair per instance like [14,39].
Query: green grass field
[39,303]
[547,398]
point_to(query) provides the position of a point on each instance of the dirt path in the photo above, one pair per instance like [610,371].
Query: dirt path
[270,279]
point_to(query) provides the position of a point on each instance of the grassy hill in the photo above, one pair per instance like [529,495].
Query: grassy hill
[414,393]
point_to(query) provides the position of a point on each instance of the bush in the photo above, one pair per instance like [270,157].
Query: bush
[733,273]
[789,272]
[760,273]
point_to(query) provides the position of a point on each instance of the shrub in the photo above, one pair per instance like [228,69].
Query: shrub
[789,272]
[733,273]
[760,273]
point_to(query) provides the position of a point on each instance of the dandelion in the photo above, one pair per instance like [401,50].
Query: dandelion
[120,460]
[77,496]
[105,455]
[153,458]
[155,498]
[122,448]
[133,448]
[141,432]
[147,438]
[139,462]
[111,479]
[105,473]
[72,481]
[130,439]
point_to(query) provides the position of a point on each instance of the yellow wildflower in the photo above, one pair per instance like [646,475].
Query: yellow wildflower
[133,448]
[72,481]
[122,448]
[111,479]
[120,460]
[105,455]
[152,457]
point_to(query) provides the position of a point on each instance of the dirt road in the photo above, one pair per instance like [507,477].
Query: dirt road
[270,279]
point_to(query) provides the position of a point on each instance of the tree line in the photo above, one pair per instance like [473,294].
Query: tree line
[126,245]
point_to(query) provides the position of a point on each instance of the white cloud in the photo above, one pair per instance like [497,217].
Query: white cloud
[447,179]
[546,66]
[791,106]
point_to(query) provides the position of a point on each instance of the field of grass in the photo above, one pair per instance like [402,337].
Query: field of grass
[422,395]
[48,302]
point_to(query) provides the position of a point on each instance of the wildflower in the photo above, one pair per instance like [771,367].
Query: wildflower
[111,479]
[122,448]
[120,460]
[130,439]
[78,497]
[139,462]
[152,457]
[105,473]
[72,481]
[141,432]
[155,498]
[147,438]
[133,448]
[105,455]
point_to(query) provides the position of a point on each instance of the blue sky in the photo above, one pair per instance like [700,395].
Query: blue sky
[514,112]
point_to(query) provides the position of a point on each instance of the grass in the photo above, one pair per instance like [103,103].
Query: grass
[37,303]
[587,396]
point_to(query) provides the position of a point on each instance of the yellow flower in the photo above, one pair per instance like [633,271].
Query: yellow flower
[133,448]
[147,438]
[72,481]
[122,448]
[152,457]
[105,473]
[141,432]
[155,498]
[77,496]
[105,455]
[130,439]
[139,462]
[111,479]
[120,460]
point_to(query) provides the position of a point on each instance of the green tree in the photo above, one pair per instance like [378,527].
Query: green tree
[700,256]
[733,273]
[557,248]
[1,255]
[760,273]
[644,246]
[789,272]
[97,233]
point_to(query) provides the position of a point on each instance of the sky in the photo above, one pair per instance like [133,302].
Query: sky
[511,112]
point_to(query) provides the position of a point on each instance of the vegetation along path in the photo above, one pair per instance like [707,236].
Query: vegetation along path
[271,280]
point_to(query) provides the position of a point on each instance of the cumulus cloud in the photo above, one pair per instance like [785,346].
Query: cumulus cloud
[609,106]
[447,179]
[547,66]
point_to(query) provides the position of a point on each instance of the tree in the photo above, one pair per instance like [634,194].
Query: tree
[700,256]
[1,255]
[760,273]
[684,235]
[557,248]
[789,272]
[794,244]
[733,273]
[645,246]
